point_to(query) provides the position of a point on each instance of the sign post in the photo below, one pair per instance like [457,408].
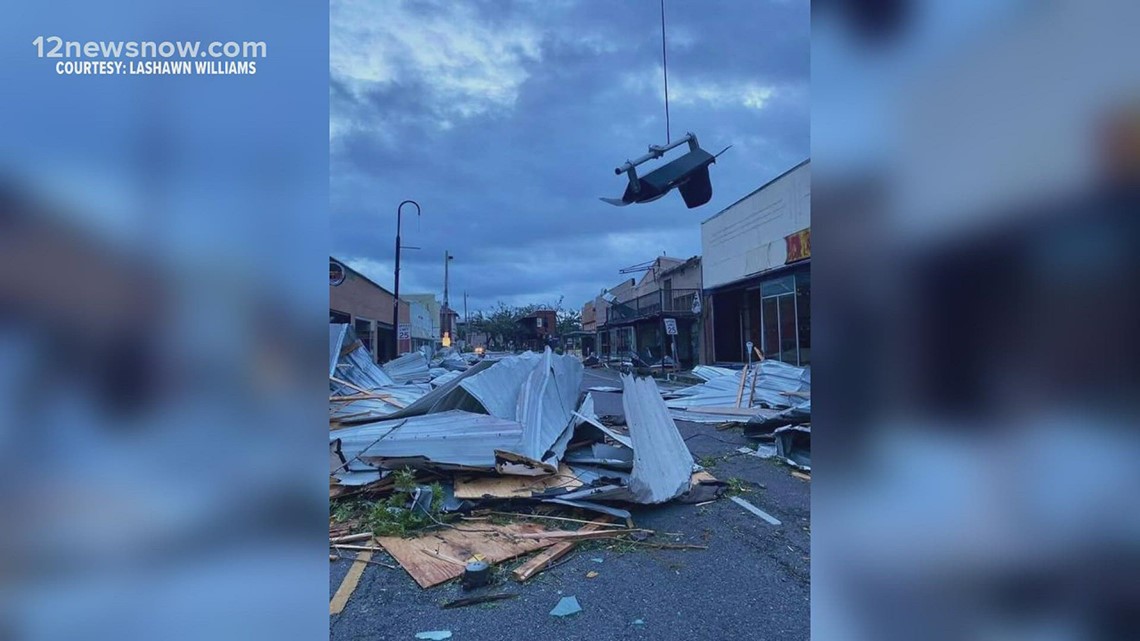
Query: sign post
[671,330]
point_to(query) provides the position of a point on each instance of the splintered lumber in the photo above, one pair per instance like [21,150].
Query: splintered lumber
[577,535]
[701,477]
[543,559]
[423,557]
[740,392]
[348,585]
[560,518]
[801,476]
[347,384]
[515,487]
[352,538]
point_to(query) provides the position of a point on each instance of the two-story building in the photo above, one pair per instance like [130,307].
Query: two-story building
[653,318]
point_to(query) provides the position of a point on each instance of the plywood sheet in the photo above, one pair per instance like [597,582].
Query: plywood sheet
[437,557]
[514,487]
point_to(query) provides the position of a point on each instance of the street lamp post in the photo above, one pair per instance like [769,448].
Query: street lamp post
[396,292]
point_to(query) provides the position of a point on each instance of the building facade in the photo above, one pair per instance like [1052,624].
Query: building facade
[367,306]
[538,329]
[635,320]
[756,274]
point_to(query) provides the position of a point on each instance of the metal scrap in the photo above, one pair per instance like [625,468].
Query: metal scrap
[662,464]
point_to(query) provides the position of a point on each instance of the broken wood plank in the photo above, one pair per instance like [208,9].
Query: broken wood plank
[366,548]
[348,585]
[801,475]
[340,381]
[701,477]
[351,538]
[421,556]
[561,518]
[669,546]
[543,559]
[514,487]
[580,535]
[740,392]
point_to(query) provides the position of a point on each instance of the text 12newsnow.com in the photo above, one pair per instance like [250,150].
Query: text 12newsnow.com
[149,57]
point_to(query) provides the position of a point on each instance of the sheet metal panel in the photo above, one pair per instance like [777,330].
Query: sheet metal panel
[453,438]
[662,464]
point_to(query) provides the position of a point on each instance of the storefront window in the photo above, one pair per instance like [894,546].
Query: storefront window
[785,317]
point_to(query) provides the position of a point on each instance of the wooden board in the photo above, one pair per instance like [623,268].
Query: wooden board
[424,557]
[555,552]
[731,411]
[701,477]
[514,487]
[348,585]
[801,476]
[740,392]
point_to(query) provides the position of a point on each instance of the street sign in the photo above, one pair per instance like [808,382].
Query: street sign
[671,326]
[404,333]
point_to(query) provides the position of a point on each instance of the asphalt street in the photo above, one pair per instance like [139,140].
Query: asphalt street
[753,581]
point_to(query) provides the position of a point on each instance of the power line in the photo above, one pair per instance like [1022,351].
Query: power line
[665,72]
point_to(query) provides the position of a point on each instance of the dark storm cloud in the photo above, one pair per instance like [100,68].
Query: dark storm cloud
[505,121]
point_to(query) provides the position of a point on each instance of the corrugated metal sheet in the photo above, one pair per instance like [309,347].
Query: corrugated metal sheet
[602,455]
[662,464]
[773,378]
[587,415]
[497,388]
[709,418]
[336,337]
[444,377]
[448,396]
[709,372]
[357,478]
[371,409]
[409,367]
[444,439]
[596,507]
[546,407]
[776,377]
[793,444]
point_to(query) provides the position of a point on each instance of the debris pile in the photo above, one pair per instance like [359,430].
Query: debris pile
[491,433]
[772,400]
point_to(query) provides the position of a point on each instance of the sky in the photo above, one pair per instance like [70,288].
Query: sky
[504,120]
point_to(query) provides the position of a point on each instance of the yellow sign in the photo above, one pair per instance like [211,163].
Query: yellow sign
[799,245]
[447,339]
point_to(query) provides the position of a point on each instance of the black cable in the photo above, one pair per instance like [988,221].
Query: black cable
[665,71]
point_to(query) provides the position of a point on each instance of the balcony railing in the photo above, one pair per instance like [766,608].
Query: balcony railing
[674,301]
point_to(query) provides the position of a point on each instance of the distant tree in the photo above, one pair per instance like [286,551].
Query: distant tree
[569,320]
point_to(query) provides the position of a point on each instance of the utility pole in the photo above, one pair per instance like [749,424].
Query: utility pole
[446,320]
[466,321]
